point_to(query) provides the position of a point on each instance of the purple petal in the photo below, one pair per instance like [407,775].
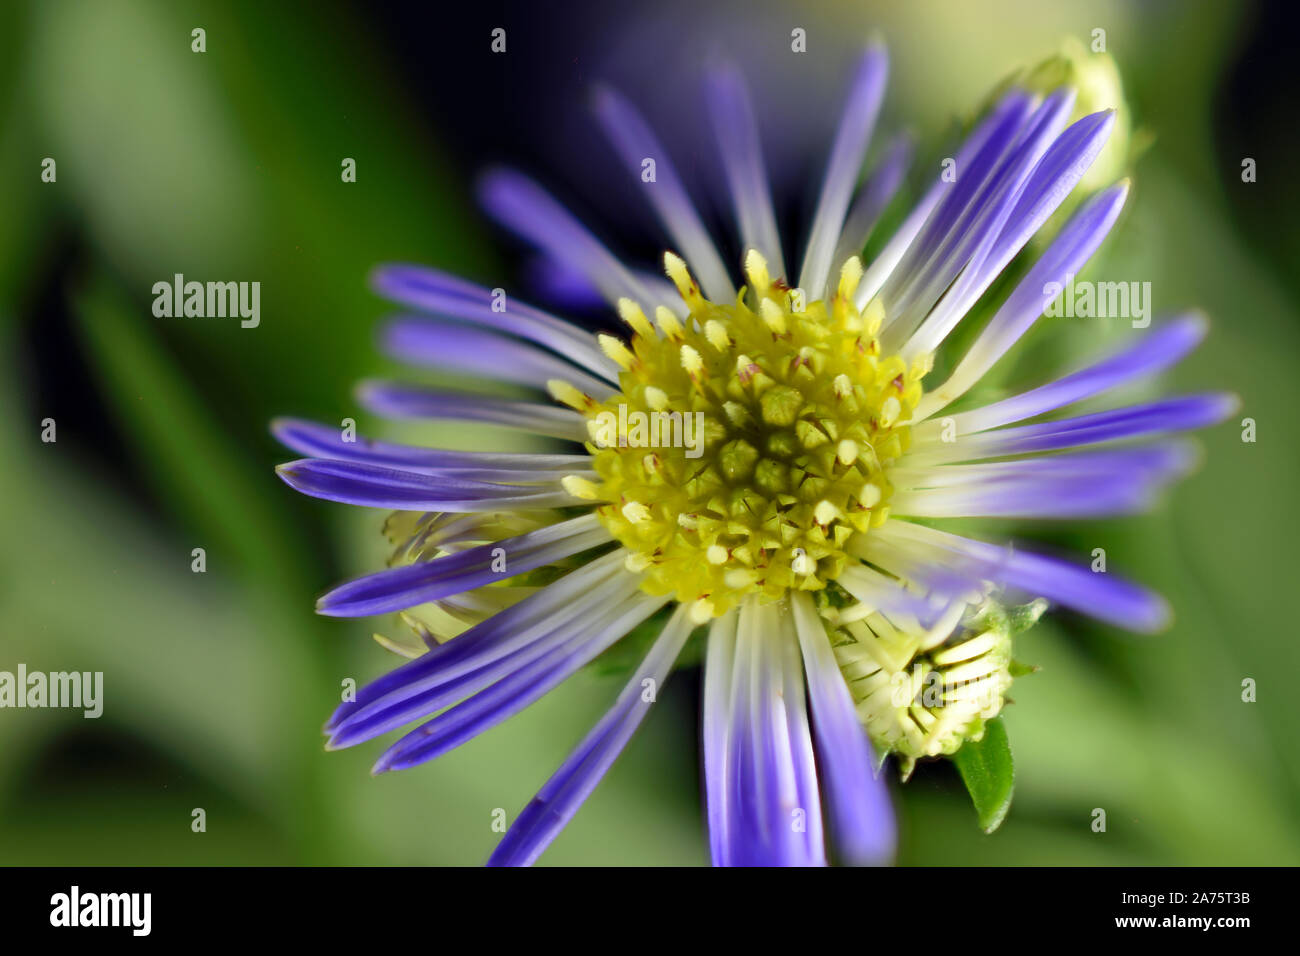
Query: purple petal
[482,655]
[326,441]
[741,151]
[495,638]
[798,738]
[526,209]
[1162,417]
[886,594]
[557,281]
[1071,249]
[374,486]
[858,799]
[958,260]
[399,588]
[430,290]
[513,693]
[393,400]
[851,140]
[1157,461]
[562,795]
[636,142]
[1051,181]
[774,814]
[1120,481]
[1163,346]
[719,666]
[910,245]
[974,168]
[1097,594]
[873,199]
[470,351]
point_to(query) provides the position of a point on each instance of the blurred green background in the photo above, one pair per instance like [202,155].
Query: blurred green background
[225,165]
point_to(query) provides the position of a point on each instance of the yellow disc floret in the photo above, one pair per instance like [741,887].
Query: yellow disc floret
[749,440]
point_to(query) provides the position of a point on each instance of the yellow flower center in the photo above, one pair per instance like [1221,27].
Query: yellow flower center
[749,441]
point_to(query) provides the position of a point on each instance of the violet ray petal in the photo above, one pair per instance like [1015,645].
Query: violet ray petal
[467,350]
[873,199]
[1076,243]
[374,486]
[718,667]
[431,290]
[399,401]
[810,837]
[492,654]
[399,588]
[957,265]
[1053,178]
[1147,462]
[1165,345]
[860,810]
[1134,421]
[1106,597]
[1007,126]
[912,240]
[326,441]
[1054,496]
[741,152]
[853,135]
[512,694]
[525,208]
[538,616]
[635,142]
[562,795]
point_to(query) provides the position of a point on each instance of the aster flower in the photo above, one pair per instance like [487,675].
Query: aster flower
[796,533]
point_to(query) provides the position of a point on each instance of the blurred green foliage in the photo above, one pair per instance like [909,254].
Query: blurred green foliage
[226,164]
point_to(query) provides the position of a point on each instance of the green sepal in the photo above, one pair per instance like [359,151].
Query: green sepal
[1020,668]
[987,770]
[1022,617]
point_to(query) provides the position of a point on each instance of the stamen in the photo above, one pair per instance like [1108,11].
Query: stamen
[567,394]
[636,561]
[671,325]
[873,316]
[692,362]
[716,333]
[580,487]
[756,271]
[687,287]
[636,512]
[655,398]
[616,351]
[850,276]
[632,313]
[773,316]
[825,513]
[701,612]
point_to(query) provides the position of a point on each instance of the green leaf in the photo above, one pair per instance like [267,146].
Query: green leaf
[986,768]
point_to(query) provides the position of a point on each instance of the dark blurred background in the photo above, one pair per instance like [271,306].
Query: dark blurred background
[226,165]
